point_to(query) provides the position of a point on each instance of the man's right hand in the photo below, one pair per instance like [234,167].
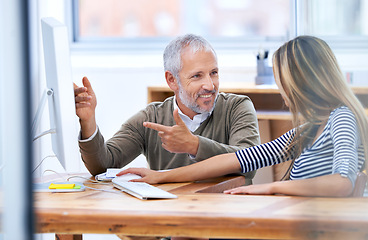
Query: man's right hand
[85,105]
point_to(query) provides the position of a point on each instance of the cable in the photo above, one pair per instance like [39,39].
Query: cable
[42,162]
[94,182]
[51,131]
[88,179]
[104,190]
[49,170]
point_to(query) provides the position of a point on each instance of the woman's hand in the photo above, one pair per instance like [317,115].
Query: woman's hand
[148,175]
[333,185]
[259,189]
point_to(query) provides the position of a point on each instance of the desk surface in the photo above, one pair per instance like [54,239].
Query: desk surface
[201,214]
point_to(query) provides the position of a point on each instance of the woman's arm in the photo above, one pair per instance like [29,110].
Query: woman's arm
[212,167]
[218,165]
[325,186]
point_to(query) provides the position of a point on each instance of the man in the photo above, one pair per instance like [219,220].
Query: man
[196,123]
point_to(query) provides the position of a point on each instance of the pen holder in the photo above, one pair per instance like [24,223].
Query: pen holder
[264,73]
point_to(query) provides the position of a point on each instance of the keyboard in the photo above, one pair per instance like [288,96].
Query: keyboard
[141,190]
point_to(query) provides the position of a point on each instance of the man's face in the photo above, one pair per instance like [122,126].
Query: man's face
[199,82]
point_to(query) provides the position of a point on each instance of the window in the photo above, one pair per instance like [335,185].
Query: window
[147,24]
[334,17]
[224,22]
[342,23]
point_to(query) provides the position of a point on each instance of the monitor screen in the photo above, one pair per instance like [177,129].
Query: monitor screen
[61,103]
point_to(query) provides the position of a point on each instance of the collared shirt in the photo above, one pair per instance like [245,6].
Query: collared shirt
[192,125]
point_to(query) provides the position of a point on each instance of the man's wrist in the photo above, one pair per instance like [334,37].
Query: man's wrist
[87,128]
[87,139]
[194,146]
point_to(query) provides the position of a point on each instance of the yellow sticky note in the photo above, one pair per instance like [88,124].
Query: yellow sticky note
[61,186]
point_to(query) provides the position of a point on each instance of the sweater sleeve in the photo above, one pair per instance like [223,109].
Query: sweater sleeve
[118,151]
[266,154]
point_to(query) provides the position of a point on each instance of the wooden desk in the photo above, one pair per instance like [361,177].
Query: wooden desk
[201,214]
[274,118]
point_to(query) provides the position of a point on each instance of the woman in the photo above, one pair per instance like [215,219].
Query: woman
[325,145]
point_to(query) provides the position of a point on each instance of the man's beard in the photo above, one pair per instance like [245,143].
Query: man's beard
[191,104]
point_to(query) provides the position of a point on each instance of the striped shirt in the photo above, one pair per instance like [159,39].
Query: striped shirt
[337,150]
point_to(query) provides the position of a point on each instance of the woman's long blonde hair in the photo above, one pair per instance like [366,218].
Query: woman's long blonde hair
[314,85]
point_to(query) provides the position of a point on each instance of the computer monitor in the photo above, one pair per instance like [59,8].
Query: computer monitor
[61,102]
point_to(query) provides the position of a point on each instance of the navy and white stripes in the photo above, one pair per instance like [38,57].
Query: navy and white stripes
[337,150]
[264,155]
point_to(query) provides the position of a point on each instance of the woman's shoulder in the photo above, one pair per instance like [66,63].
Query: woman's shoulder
[341,111]
[341,115]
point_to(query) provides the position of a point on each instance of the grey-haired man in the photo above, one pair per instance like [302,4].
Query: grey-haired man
[196,123]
